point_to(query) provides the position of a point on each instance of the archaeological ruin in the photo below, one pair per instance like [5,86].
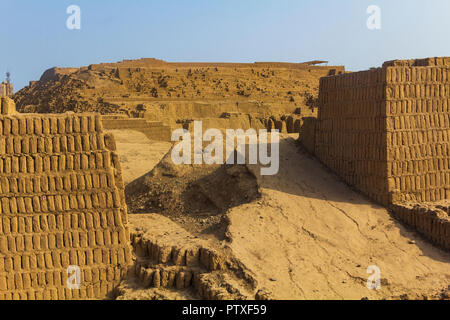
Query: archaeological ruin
[386,131]
[156,97]
[62,206]
[6,89]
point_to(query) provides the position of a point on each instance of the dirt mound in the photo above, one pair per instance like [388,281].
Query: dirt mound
[197,196]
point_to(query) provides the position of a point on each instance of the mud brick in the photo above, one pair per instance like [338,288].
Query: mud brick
[91,238]
[106,256]
[81,257]
[4,245]
[76,124]
[84,240]
[84,162]
[20,243]
[84,124]
[86,146]
[82,221]
[78,143]
[13,205]
[75,239]
[77,162]
[102,200]
[71,144]
[93,142]
[45,125]
[73,257]
[106,160]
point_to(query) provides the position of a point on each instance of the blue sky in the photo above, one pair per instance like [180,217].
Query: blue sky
[34,36]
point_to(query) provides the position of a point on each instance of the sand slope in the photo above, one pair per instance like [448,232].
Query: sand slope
[312,237]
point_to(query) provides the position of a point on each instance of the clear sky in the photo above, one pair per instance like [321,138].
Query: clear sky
[34,36]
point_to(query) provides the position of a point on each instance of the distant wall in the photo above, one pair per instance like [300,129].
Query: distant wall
[152,129]
[307,134]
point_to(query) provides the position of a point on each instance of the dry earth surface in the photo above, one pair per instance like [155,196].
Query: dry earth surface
[306,236]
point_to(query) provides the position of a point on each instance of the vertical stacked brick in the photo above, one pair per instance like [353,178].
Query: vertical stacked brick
[61,204]
[351,130]
[6,89]
[418,129]
[429,218]
[386,132]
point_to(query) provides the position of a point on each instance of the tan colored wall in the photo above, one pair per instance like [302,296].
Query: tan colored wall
[307,134]
[432,220]
[386,132]
[6,89]
[351,130]
[62,203]
[418,133]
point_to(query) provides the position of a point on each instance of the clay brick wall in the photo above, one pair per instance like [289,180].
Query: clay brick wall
[307,134]
[62,203]
[351,130]
[418,129]
[432,220]
[6,89]
[386,132]
[154,130]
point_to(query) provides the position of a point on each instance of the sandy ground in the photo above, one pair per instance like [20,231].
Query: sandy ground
[312,237]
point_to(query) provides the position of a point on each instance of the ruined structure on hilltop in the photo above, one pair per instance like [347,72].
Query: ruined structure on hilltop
[62,204]
[166,96]
[386,131]
[6,87]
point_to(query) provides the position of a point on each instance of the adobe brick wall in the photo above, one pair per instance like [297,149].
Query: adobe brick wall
[386,132]
[6,89]
[307,133]
[418,128]
[430,219]
[154,130]
[62,203]
[351,130]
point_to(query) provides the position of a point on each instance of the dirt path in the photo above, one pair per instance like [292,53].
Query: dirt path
[312,237]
